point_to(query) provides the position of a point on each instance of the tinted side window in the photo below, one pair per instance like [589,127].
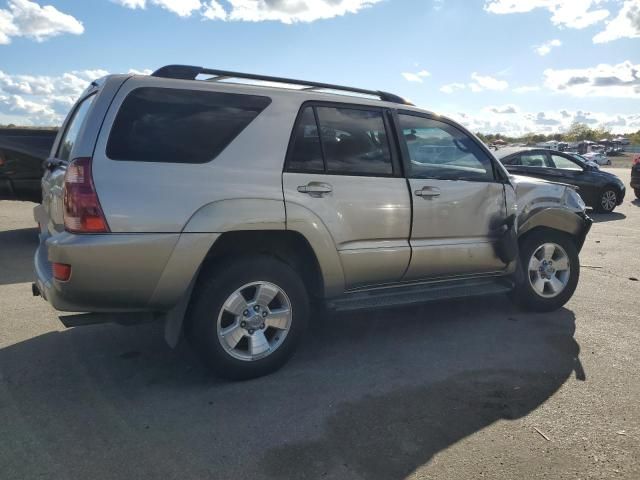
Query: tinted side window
[533,160]
[180,126]
[73,129]
[564,163]
[354,141]
[306,153]
[510,160]
[439,150]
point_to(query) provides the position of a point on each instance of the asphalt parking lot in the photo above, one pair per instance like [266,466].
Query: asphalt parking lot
[461,390]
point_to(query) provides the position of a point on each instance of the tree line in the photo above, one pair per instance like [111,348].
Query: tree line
[577,132]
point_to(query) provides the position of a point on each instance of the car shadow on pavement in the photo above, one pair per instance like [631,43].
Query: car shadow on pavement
[16,255]
[369,395]
[607,217]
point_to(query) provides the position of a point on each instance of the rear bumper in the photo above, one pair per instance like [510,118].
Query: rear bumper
[110,272]
[119,272]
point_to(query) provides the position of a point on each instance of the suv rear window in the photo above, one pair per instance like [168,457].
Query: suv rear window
[180,126]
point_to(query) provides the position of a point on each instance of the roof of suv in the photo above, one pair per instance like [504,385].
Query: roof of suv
[189,72]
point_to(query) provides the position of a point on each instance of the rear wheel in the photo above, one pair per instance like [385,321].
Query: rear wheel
[246,318]
[637,192]
[607,201]
[551,268]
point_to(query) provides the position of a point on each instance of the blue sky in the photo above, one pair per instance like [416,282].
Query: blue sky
[484,62]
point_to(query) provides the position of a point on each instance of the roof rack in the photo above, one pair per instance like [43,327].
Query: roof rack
[189,72]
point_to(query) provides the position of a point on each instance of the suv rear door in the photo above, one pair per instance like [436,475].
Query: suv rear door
[56,165]
[458,203]
[343,167]
[76,138]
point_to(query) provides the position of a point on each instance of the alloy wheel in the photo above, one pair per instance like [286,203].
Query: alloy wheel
[608,200]
[549,270]
[254,321]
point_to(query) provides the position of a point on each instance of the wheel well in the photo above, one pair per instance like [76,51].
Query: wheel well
[289,247]
[611,186]
[574,238]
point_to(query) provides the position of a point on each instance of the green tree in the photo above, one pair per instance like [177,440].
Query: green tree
[579,131]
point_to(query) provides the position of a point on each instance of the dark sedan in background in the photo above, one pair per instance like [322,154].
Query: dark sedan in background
[22,152]
[600,190]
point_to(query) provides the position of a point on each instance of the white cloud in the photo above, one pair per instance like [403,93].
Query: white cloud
[520,123]
[182,8]
[145,71]
[416,77]
[565,13]
[285,11]
[503,109]
[214,11]
[28,19]
[621,80]
[452,87]
[625,25]
[546,47]
[526,89]
[44,99]
[482,82]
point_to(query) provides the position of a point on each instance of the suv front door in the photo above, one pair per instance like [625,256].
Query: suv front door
[342,168]
[458,205]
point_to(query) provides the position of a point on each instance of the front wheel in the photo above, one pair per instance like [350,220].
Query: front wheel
[247,317]
[607,201]
[551,268]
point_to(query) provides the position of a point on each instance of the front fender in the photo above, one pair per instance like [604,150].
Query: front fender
[576,224]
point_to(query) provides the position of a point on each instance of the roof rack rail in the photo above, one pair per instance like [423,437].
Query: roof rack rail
[189,72]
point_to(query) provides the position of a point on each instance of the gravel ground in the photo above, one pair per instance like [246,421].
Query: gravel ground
[467,389]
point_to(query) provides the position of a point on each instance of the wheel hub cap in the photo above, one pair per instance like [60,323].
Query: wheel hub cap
[549,270]
[254,321]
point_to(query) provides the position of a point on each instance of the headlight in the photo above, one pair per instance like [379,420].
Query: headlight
[573,200]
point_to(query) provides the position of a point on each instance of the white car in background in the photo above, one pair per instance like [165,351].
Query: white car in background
[599,158]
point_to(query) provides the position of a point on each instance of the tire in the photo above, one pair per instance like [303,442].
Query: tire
[526,294]
[607,200]
[217,317]
[637,192]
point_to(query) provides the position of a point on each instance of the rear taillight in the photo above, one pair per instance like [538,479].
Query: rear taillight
[636,160]
[82,211]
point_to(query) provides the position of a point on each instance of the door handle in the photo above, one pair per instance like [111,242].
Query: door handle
[315,189]
[428,192]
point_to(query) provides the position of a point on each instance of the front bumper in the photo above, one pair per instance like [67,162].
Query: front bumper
[623,191]
[581,236]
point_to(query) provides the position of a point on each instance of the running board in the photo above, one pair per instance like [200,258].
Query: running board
[419,293]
